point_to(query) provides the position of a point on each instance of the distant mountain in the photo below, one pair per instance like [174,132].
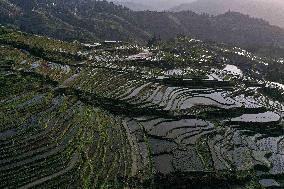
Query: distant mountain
[135,6]
[271,10]
[154,5]
[89,21]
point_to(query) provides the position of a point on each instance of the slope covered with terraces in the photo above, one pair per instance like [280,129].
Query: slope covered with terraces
[184,114]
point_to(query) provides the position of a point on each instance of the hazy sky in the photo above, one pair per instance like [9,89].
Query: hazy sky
[177,2]
[162,4]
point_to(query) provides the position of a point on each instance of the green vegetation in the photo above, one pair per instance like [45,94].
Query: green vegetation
[50,50]
[73,116]
[90,20]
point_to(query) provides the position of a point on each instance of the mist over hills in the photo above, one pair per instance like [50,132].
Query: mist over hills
[270,10]
[153,5]
[135,6]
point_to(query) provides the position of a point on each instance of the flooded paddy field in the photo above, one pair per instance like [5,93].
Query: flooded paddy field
[117,123]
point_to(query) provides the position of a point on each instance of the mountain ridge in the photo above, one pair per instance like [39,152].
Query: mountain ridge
[135,6]
[155,5]
[90,21]
[272,10]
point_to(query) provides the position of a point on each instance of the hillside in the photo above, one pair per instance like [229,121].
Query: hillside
[181,114]
[270,10]
[90,21]
[83,20]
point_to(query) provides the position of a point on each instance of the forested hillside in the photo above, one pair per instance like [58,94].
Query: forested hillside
[89,21]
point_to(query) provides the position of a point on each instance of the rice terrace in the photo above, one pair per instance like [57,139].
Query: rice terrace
[178,113]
